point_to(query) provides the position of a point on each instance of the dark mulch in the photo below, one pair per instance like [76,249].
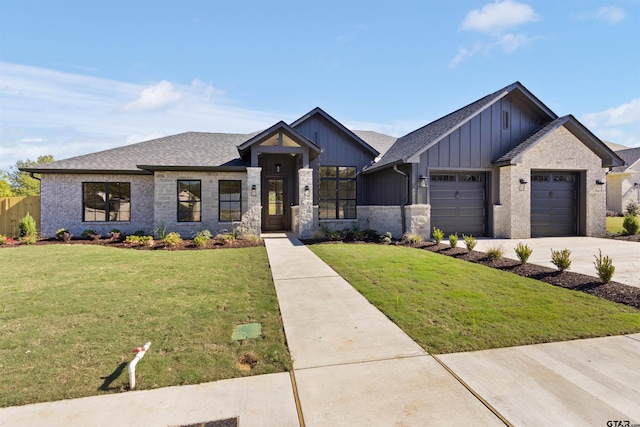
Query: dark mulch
[187,244]
[613,291]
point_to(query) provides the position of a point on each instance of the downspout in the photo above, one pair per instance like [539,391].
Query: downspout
[33,176]
[406,199]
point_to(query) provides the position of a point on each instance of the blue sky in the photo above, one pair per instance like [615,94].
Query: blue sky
[78,76]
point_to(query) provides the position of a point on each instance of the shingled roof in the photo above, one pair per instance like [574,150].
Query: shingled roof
[630,156]
[420,140]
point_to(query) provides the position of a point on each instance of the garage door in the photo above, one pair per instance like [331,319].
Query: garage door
[458,202]
[554,204]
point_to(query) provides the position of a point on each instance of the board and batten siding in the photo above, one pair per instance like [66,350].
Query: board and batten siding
[483,139]
[338,149]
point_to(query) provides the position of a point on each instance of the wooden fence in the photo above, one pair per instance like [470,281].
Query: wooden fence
[13,209]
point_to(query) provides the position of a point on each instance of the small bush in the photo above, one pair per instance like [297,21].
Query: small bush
[453,240]
[438,235]
[201,238]
[495,253]
[147,241]
[631,225]
[470,242]
[132,240]
[633,208]
[27,226]
[561,259]
[161,231]
[139,233]
[604,267]
[114,234]
[173,239]
[386,238]
[29,239]
[64,235]
[411,238]
[357,233]
[523,251]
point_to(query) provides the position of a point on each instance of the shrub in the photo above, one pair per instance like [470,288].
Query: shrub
[631,225]
[115,234]
[146,241]
[64,235]
[633,208]
[132,240]
[29,239]
[27,226]
[523,251]
[358,234]
[139,233]
[411,238]
[561,259]
[438,235]
[201,238]
[453,240]
[172,239]
[91,234]
[470,242]
[386,238]
[604,267]
[161,231]
[4,240]
[495,253]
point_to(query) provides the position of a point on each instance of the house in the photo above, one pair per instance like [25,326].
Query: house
[504,166]
[623,182]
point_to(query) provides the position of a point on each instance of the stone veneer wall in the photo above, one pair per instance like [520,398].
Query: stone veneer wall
[304,224]
[165,208]
[252,218]
[560,150]
[62,206]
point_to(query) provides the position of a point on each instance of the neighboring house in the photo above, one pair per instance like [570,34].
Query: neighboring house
[503,166]
[623,182]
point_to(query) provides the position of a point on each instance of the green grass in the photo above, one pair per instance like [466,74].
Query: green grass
[449,305]
[614,224]
[70,316]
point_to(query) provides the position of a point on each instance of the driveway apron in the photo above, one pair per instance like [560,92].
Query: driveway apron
[352,365]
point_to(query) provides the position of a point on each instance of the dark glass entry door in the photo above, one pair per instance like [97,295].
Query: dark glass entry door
[275,206]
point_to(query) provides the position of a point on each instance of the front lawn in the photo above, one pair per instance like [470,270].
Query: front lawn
[70,316]
[614,224]
[449,305]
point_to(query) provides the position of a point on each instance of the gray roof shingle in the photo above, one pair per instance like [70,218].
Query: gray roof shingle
[630,156]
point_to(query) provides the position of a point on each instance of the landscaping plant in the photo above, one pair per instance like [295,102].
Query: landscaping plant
[523,251]
[453,240]
[64,235]
[173,239]
[386,238]
[27,226]
[633,208]
[495,253]
[631,225]
[438,235]
[604,267]
[201,238]
[561,259]
[470,242]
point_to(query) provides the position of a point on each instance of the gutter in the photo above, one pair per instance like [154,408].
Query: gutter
[406,199]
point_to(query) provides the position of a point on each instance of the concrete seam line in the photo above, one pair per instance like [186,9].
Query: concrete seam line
[632,338]
[472,391]
[296,397]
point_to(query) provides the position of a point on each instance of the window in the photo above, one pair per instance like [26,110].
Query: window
[443,177]
[229,201]
[189,204]
[337,192]
[106,201]
[470,178]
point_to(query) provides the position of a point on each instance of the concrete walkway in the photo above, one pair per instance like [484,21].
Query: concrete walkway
[354,367]
[625,255]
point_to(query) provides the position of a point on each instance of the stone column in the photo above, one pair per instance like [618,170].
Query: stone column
[418,219]
[252,218]
[304,225]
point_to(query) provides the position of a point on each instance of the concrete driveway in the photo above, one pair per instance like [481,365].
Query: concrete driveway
[625,255]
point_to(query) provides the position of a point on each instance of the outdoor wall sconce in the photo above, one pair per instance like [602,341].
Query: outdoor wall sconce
[423,181]
[254,190]
[636,185]
[523,181]
[599,182]
[306,190]
[278,167]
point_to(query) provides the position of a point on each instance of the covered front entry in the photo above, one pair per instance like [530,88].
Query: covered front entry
[275,204]
[554,203]
[458,202]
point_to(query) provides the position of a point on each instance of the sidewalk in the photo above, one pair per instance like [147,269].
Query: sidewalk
[354,367]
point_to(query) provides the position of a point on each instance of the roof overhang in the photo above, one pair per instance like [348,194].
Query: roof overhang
[44,171]
[167,168]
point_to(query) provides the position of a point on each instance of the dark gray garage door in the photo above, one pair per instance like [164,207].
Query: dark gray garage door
[554,204]
[458,202]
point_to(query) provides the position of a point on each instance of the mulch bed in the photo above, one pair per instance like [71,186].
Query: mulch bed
[186,244]
[613,291]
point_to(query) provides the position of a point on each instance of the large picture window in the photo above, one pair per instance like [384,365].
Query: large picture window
[189,205]
[229,201]
[106,201]
[337,192]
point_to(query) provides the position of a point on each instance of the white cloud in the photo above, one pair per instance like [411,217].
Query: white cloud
[498,16]
[619,124]
[494,19]
[155,97]
[610,14]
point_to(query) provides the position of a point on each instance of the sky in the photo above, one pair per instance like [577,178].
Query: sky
[80,76]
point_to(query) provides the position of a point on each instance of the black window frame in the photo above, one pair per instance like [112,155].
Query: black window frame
[237,213]
[109,202]
[188,215]
[337,200]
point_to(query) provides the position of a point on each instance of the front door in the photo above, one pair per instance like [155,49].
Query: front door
[275,204]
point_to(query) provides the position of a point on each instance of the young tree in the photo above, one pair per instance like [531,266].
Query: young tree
[21,182]
[5,188]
